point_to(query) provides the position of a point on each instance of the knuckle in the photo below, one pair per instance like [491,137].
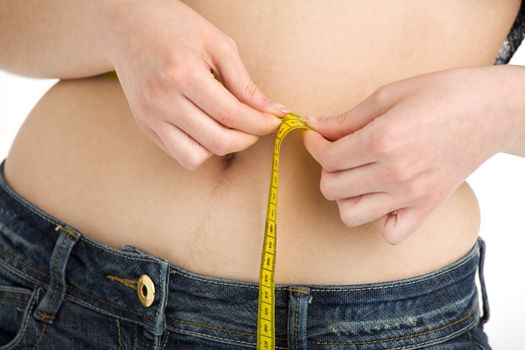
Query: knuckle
[341,121]
[382,141]
[329,166]
[413,189]
[392,237]
[152,94]
[381,94]
[228,117]
[326,187]
[193,161]
[397,172]
[177,70]
[220,146]
[348,218]
[228,45]
[251,88]
[326,162]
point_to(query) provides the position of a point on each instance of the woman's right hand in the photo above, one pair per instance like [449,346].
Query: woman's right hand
[165,55]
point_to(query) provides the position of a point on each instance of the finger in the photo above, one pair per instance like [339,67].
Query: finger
[396,228]
[209,133]
[315,144]
[335,127]
[181,146]
[351,183]
[216,101]
[235,77]
[348,152]
[155,138]
[360,210]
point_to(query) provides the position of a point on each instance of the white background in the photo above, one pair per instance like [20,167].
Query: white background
[499,185]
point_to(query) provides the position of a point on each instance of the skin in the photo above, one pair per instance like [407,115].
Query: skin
[176,100]
[171,89]
[409,145]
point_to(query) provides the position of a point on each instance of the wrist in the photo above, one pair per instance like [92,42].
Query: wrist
[107,22]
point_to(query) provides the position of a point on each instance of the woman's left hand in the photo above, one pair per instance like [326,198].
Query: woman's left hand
[412,143]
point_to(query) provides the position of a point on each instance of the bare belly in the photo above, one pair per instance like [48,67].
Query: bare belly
[80,156]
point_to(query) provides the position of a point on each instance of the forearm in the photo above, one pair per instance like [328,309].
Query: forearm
[55,38]
[518,146]
[516,139]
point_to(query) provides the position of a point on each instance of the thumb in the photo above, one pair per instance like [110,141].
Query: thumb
[315,144]
[335,127]
[235,77]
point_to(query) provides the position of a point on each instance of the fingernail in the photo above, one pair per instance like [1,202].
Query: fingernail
[280,107]
[311,119]
[277,122]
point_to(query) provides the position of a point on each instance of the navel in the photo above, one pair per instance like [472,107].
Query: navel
[228,160]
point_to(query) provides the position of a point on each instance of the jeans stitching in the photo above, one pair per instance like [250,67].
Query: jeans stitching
[20,273]
[158,297]
[39,283]
[109,303]
[97,309]
[296,321]
[103,301]
[57,273]
[438,340]
[9,255]
[210,326]
[167,335]
[17,290]
[23,327]
[12,300]
[40,336]
[120,346]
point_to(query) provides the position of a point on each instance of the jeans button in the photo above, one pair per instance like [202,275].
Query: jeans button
[145,290]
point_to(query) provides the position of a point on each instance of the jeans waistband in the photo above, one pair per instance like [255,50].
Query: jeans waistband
[69,265]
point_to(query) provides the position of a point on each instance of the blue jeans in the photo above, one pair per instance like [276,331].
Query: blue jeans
[60,289]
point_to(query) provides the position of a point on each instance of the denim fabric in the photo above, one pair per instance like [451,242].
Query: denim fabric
[60,289]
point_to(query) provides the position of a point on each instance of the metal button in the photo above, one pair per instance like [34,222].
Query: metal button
[145,290]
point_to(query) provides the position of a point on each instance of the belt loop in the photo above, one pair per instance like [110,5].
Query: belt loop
[299,298]
[164,280]
[486,310]
[158,333]
[48,307]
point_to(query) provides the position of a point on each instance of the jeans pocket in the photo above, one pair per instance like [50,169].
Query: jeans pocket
[17,303]
[16,308]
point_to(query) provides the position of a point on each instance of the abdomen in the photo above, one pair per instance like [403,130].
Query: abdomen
[81,157]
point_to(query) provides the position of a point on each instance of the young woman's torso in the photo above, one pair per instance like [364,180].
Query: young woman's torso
[80,156]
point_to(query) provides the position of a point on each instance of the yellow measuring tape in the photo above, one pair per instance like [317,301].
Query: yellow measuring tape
[266,308]
[266,305]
